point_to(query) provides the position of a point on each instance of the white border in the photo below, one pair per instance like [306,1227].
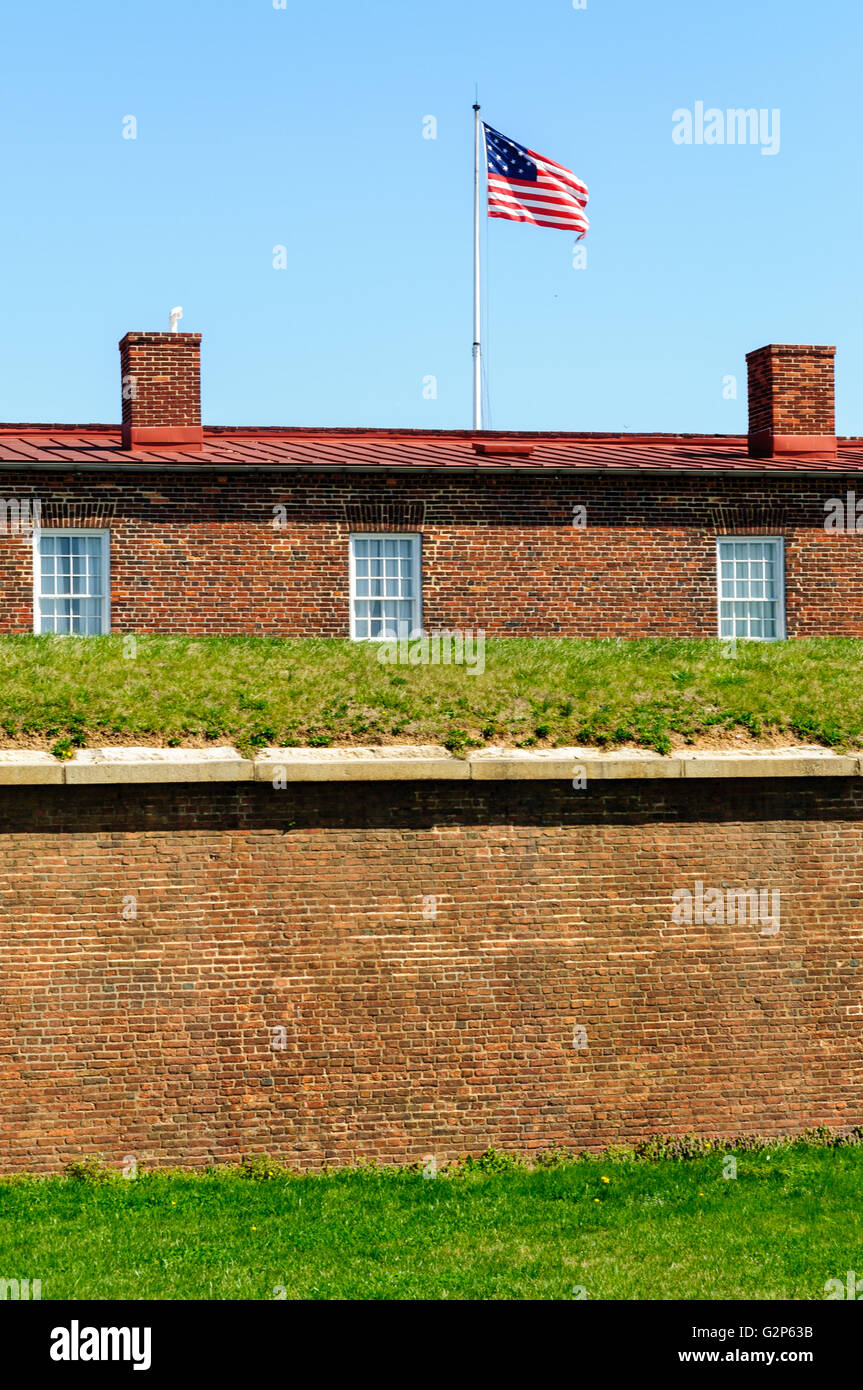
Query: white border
[778,541]
[415,537]
[105,536]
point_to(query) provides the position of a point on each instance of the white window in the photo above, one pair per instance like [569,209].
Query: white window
[385,586]
[70,582]
[751,584]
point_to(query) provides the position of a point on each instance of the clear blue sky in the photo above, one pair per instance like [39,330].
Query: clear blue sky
[303,127]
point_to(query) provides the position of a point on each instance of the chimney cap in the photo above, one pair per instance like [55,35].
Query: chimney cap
[810,349]
[141,335]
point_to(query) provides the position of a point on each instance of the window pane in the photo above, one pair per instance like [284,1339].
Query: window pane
[749,588]
[70,566]
[386,588]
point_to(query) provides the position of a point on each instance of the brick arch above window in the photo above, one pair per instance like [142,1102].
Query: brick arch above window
[385,516]
[77,515]
[750,519]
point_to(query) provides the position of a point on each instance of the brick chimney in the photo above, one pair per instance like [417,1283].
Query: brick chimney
[161,390]
[791,401]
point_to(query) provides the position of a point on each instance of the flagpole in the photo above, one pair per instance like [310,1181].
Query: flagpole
[477,349]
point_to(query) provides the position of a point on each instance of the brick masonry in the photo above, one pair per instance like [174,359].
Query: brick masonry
[409,1034]
[791,392]
[201,555]
[161,388]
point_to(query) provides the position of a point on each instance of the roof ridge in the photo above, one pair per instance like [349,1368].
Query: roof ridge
[333,432]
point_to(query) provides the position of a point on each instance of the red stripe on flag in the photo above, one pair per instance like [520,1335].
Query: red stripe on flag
[573,219]
[570,226]
[566,175]
[538,185]
[530,195]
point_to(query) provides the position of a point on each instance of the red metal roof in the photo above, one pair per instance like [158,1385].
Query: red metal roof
[98,447]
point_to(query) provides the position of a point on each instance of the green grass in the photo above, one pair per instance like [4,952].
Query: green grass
[616,1228]
[66,692]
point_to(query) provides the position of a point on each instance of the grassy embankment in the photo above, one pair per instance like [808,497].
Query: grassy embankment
[63,693]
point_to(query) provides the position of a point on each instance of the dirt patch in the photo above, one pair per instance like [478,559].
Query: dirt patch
[726,742]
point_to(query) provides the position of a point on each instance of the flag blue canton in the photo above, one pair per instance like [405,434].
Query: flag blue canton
[507,158]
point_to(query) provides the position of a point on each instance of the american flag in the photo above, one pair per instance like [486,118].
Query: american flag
[523,186]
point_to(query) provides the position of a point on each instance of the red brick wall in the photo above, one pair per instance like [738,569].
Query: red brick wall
[406,1034]
[201,555]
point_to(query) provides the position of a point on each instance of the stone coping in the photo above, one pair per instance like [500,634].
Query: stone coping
[411,763]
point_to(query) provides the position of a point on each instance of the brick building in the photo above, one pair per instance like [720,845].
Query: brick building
[554,995]
[162,525]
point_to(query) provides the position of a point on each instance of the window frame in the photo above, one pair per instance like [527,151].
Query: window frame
[779,543]
[92,531]
[415,537]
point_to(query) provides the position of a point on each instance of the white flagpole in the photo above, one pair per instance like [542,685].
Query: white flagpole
[477,349]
